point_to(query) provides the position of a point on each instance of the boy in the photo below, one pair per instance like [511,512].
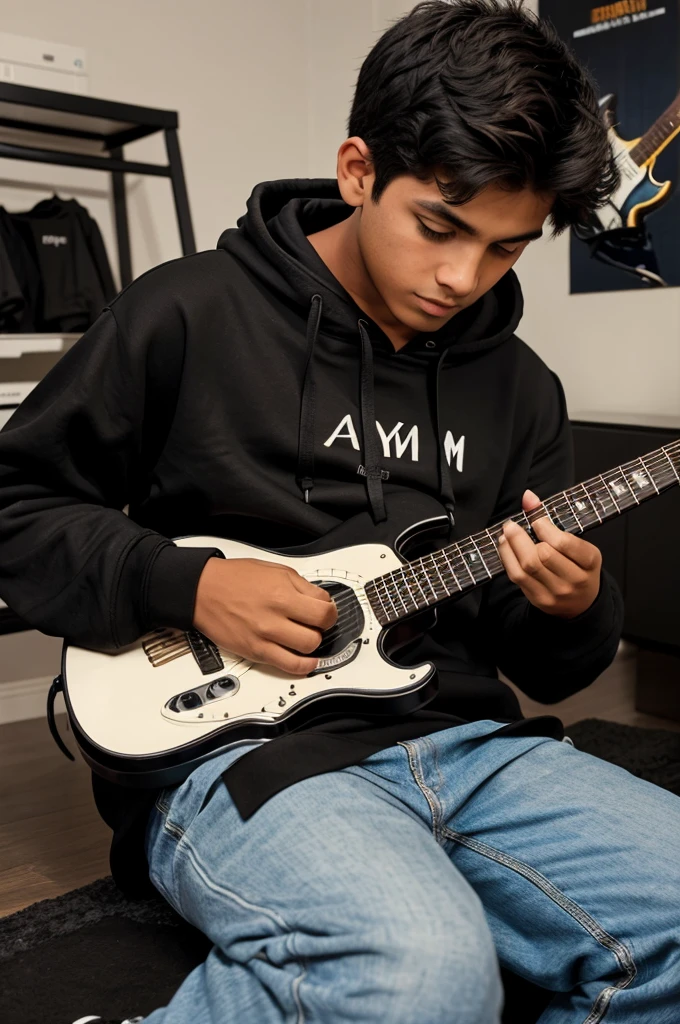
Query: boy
[346,353]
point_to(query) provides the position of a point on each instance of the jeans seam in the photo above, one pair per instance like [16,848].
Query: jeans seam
[622,954]
[431,797]
[160,803]
[273,916]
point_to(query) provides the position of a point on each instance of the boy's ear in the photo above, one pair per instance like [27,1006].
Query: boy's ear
[355,171]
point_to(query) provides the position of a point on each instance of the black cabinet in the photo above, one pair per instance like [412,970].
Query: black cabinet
[641,548]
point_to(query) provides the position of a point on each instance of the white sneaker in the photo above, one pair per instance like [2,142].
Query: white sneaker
[102,1020]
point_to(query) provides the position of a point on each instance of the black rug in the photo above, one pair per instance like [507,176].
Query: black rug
[92,951]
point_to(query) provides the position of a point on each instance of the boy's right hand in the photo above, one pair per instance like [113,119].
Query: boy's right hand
[263,611]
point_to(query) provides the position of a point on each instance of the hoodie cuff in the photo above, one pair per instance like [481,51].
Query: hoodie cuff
[587,631]
[172,583]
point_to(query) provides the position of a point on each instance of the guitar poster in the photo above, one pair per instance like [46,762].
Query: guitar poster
[633,50]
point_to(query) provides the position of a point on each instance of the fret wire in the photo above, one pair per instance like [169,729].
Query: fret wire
[390,590]
[671,464]
[377,594]
[654,457]
[547,512]
[447,552]
[552,505]
[494,545]
[599,489]
[571,509]
[489,574]
[448,562]
[426,575]
[416,578]
[413,579]
[641,460]
[389,598]
[406,583]
[527,524]
[465,563]
[579,501]
[434,562]
[461,565]
[592,503]
[624,474]
[397,590]
[447,578]
[609,489]
[425,598]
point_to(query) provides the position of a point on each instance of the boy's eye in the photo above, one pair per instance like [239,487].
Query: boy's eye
[436,236]
[439,236]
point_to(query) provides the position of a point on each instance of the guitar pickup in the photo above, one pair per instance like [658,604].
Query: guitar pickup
[205,652]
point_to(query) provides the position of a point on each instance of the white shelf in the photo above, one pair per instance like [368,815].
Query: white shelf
[627,419]
[12,346]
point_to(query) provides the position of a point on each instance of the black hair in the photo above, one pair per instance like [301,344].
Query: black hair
[485,92]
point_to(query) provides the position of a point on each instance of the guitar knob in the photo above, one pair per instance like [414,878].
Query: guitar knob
[222,687]
[189,700]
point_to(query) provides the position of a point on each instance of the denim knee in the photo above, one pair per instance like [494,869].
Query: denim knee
[436,968]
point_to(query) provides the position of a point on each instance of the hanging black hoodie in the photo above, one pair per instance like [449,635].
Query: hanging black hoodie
[291,414]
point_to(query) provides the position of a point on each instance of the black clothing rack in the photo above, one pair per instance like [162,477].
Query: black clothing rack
[101,129]
[50,127]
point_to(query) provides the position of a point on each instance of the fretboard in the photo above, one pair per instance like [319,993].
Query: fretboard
[473,561]
[659,135]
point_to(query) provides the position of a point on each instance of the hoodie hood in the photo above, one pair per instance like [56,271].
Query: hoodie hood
[271,241]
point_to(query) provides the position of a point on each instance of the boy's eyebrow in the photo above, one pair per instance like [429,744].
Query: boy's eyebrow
[441,210]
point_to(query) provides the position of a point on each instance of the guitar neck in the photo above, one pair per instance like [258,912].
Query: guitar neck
[659,135]
[468,563]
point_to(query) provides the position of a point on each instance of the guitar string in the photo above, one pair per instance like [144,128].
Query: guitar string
[484,542]
[486,546]
[646,464]
[489,547]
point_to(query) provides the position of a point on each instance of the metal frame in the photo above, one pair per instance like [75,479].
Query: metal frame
[119,124]
[108,127]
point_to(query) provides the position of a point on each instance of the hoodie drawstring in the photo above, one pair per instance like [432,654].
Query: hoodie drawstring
[370,469]
[448,498]
[305,473]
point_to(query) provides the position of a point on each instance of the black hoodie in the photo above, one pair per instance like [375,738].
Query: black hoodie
[291,414]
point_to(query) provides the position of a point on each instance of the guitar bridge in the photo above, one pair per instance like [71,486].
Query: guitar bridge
[165,645]
[205,652]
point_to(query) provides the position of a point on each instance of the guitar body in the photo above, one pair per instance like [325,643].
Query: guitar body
[151,713]
[148,714]
[639,192]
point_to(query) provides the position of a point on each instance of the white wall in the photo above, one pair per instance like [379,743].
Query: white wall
[235,71]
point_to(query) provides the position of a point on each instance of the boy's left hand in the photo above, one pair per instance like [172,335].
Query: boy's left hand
[560,574]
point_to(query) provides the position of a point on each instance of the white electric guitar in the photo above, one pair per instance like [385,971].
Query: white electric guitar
[150,713]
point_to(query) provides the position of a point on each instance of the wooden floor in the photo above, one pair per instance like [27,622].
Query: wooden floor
[52,840]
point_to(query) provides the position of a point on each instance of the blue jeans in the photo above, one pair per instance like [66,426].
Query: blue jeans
[389,891]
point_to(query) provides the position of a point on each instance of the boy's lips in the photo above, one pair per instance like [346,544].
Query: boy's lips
[435,308]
